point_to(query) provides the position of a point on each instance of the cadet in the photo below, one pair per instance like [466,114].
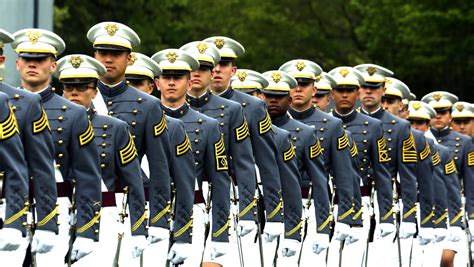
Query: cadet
[321,99]
[141,73]
[249,82]
[76,157]
[238,146]
[462,116]
[113,43]
[13,187]
[310,164]
[334,142]
[259,123]
[373,157]
[119,165]
[39,154]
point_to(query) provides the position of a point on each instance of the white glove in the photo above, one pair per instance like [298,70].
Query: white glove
[407,230]
[471,229]
[245,226]
[81,248]
[139,243]
[425,235]
[289,247]
[10,239]
[42,241]
[218,249]
[157,234]
[179,253]
[355,234]
[273,230]
[440,234]
[386,229]
[320,242]
[455,233]
[341,231]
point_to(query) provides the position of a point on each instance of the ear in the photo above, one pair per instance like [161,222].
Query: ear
[2,59]
[129,58]
[94,93]
[290,100]
[53,66]
[17,64]
[234,70]
[314,90]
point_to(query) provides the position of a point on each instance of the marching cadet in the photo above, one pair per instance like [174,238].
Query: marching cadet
[209,153]
[403,113]
[76,157]
[259,123]
[119,165]
[13,187]
[321,99]
[373,159]
[420,115]
[401,151]
[39,154]
[333,139]
[141,73]
[310,165]
[162,140]
[238,147]
[249,82]
[462,115]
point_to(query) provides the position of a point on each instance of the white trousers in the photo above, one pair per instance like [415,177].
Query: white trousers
[12,258]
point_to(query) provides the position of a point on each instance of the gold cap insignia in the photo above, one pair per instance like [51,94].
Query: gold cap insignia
[133,58]
[437,97]
[219,43]
[317,78]
[371,70]
[300,65]
[344,72]
[171,56]
[276,77]
[33,36]
[416,105]
[76,61]
[242,75]
[202,47]
[460,107]
[111,28]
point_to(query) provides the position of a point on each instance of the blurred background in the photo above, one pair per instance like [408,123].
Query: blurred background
[429,44]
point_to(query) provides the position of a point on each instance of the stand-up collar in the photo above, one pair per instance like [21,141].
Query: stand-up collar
[227,94]
[114,90]
[376,114]
[46,94]
[281,120]
[440,133]
[301,115]
[200,101]
[175,113]
[345,118]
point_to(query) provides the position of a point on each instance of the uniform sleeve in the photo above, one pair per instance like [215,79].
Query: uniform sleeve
[383,182]
[128,171]
[406,161]
[356,180]
[217,171]
[13,170]
[441,204]
[340,155]
[158,154]
[183,172]
[264,149]
[314,164]
[39,153]
[290,177]
[467,172]
[85,166]
[424,174]
[453,188]
[241,155]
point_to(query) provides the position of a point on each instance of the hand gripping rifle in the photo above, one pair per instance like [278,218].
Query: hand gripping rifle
[207,221]
[122,215]
[305,220]
[72,223]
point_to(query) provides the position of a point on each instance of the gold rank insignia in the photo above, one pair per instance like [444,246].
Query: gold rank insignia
[426,152]
[184,147]
[342,141]
[354,151]
[409,150]
[87,136]
[41,124]
[221,159]
[382,150]
[8,127]
[315,150]
[242,131]
[160,127]
[265,125]
[290,153]
[470,158]
[129,152]
[436,159]
[450,168]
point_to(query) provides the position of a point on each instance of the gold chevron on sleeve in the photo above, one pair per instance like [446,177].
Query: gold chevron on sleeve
[470,158]
[221,158]
[342,141]
[409,154]
[242,131]
[290,153]
[8,127]
[265,125]
[87,136]
[41,124]
[184,147]
[426,152]
[382,150]
[160,127]
[436,159]
[450,168]
[88,225]
[354,151]
[129,152]
[315,150]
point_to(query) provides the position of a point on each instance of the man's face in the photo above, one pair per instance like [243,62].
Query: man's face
[80,94]
[419,125]
[371,97]
[392,105]
[345,99]
[321,101]
[36,71]
[145,85]
[442,119]
[404,113]
[463,126]
[277,105]
[174,87]
[201,79]
[115,62]
[301,95]
[223,71]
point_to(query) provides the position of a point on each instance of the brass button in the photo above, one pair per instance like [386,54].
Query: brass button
[439,140]
[366,123]
[365,150]
[139,100]
[60,142]
[456,158]
[134,123]
[389,149]
[322,129]
[16,96]
[222,106]
[221,115]
[60,155]
[325,120]
[294,138]
[104,135]
[297,129]
[244,104]
[389,139]
[59,130]
[456,150]
[64,108]
[197,152]
[196,131]
[321,138]
[14,108]
[109,103]
[344,126]
[102,165]
[364,141]
[103,144]
[364,132]
[105,126]
[393,121]
[200,120]
[221,123]
[206,99]
[389,131]
[111,113]
[457,138]
[364,159]
[133,136]
[196,141]
[60,118]
[135,112]
[457,145]
[103,155]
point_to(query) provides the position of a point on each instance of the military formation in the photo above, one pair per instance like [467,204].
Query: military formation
[227,166]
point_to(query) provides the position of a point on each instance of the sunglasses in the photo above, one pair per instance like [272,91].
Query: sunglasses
[78,87]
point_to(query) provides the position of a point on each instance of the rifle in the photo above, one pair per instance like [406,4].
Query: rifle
[122,215]
[207,223]
[170,244]
[372,223]
[235,216]
[305,220]
[260,216]
[468,239]
[396,217]
[72,223]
